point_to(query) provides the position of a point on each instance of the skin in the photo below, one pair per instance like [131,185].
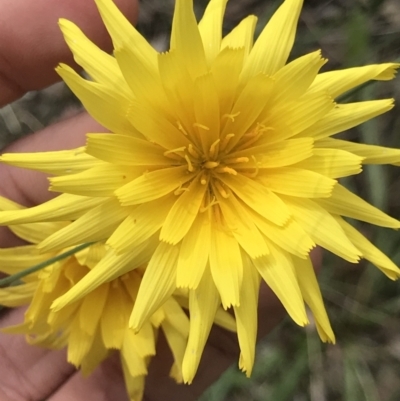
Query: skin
[31,45]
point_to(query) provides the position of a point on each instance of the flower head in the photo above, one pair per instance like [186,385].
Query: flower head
[220,170]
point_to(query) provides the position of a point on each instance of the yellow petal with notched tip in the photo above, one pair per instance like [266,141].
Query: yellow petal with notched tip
[62,162]
[95,225]
[186,39]
[226,265]
[278,272]
[99,181]
[246,316]
[193,256]
[105,104]
[184,210]
[125,150]
[64,207]
[346,116]
[332,163]
[322,228]
[338,82]
[313,298]
[210,28]
[272,48]
[153,185]
[13,260]
[203,304]
[242,36]
[157,284]
[369,251]
[258,197]
[345,203]
[135,364]
[101,66]
[371,154]
[297,182]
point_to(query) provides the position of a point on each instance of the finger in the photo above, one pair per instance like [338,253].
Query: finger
[106,383]
[27,372]
[31,44]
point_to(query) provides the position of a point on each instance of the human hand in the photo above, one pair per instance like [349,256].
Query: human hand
[29,55]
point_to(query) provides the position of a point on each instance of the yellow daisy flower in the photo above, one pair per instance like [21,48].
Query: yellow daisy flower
[220,170]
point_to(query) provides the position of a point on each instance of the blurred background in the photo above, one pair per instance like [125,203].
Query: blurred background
[364,306]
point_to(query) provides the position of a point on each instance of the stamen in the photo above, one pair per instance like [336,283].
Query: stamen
[236,160]
[231,116]
[210,165]
[226,169]
[167,152]
[193,151]
[221,189]
[201,126]
[226,140]
[180,127]
[180,191]
[255,172]
[213,148]
[253,136]
[204,179]
[210,205]
[189,162]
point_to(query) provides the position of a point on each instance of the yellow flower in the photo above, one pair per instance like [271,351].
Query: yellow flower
[98,323]
[220,170]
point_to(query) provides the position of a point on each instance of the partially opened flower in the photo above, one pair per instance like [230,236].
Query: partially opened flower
[220,170]
[98,323]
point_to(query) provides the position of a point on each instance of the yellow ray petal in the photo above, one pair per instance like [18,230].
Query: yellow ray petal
[101,66]
[332,163]
[110,267]
[246,316]
[79,343]
[141,224]
[345,203]
[135,364]
[369,251]
[124,35]
[157,284]
[63,207]
[60,162]
[258,197]
[242,35]
[176,317]
[194,253]
[313,298]
[224,319]
[125,150]
[278,272]
[153,185]
[35,232]
[322,228]
[292,80]
[13,260]
[210,28]
[95,356]
[184,210]
[297,182]
[97,181]
[371,154]
[144,340]
[346,116]
[290,237]
[114,325]
[105,104]
[241,226]
[92,308]
[226,265]
[203,304]
[186,39]
[206,108]
[226,70]
[17,295]
[337,82]
[272,48]
[297,116]
[95,225]
[248,107]
[134,384]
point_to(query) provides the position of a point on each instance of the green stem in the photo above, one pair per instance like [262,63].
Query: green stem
[17,276]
